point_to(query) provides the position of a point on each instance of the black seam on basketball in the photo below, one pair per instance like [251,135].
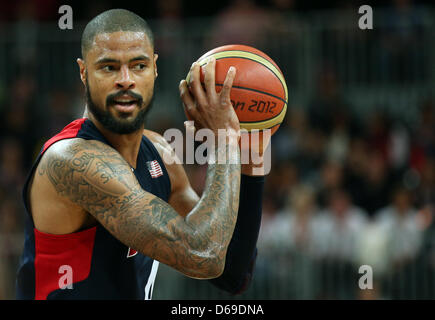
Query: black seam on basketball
[282,110]
[283,88]
[255,90]
[255,54]
[260,121]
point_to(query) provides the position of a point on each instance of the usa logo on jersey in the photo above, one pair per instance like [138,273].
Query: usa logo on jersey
[154,168]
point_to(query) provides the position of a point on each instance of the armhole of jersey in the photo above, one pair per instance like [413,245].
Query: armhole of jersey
[27,184]
[68,132]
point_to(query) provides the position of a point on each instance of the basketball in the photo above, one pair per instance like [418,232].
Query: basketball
[259,93]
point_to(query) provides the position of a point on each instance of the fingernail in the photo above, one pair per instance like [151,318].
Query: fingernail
[232,69]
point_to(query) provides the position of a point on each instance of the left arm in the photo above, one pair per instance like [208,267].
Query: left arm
[241,253]
[242,250]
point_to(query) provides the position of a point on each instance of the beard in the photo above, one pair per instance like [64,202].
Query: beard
[110,122]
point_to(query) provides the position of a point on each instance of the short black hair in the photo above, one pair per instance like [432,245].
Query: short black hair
[112,21]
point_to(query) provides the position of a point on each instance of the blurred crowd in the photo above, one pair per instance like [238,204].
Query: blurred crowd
[351,194]
[344,191]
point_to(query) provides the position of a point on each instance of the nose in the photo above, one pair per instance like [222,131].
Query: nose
[125,82]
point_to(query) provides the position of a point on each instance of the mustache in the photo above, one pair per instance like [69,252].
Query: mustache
[110,99]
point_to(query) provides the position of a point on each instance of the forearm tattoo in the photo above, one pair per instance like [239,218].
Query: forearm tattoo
[97,178]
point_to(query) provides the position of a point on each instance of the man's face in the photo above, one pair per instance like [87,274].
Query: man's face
[119,72]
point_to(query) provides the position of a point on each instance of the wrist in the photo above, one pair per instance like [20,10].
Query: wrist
[227,137]
[253,170]
[255,153]
[228,153]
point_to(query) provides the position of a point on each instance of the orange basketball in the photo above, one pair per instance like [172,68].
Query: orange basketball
[259,94]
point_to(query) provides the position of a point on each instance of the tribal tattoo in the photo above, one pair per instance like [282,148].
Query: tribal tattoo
[97,178]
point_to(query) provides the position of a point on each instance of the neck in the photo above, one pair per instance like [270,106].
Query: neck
[126,144]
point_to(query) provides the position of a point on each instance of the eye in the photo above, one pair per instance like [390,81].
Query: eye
[108,68]
[139,66]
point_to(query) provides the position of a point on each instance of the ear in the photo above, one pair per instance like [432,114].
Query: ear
[82,67]
[155,65]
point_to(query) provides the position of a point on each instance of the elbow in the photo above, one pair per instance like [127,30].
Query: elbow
[212,268]
[206,272]
[216,265]
[215,270]
[208,266]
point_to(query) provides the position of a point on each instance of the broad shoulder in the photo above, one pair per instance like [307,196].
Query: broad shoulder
[79,169]
[78,152]
[80,155]
[59,190]
[70,147]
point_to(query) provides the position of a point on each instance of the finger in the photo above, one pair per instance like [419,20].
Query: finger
[196,86]
[228,83]
[185,95]
[190,127]
[209,77]
[193,114]
[189,104]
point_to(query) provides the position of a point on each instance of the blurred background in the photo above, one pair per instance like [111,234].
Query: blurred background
[353,174]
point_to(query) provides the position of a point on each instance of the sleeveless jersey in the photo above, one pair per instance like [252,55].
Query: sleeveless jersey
[89,264]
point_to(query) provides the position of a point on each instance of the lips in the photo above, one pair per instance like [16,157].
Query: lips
[125,104]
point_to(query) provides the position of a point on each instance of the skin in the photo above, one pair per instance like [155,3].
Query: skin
[81,182]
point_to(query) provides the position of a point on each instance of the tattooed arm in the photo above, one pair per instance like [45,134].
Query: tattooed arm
[95,177]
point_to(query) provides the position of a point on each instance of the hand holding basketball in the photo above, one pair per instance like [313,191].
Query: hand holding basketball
[210,109]
[259,92]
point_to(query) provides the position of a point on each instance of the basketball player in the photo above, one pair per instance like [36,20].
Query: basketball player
[104,209]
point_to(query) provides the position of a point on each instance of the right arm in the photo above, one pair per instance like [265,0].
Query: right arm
[97,178]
